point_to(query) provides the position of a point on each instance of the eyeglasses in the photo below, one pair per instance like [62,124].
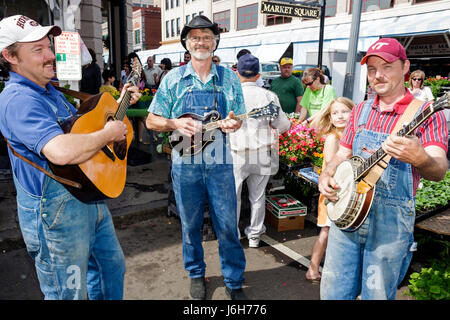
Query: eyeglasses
[310,83]
[216,60]
[417,79]
[197,39]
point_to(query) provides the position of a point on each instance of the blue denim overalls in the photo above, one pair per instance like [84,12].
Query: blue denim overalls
[73,244]
[373,260]
[201,180]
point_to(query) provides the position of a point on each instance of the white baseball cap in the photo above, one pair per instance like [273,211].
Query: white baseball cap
[20,28]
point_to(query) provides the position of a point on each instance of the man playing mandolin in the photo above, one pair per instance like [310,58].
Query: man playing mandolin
[198,89]
[373,260]
[73,244]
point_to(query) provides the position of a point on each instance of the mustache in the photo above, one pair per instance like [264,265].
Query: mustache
[201,47]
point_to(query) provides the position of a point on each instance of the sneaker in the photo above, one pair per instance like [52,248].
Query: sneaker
[235,294]
[253,242]
[198,288]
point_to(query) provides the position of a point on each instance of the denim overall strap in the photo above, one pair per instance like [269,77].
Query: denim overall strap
[207,181]
[377,255]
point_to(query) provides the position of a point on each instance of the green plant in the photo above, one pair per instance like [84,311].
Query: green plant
[433,194]
[165,141]
[69,97]
[431,283]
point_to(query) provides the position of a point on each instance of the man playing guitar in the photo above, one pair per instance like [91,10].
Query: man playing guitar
[373,260]
[73,244]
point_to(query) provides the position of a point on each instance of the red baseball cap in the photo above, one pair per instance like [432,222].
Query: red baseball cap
[388,49]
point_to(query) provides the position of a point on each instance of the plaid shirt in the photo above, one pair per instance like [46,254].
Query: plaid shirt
[432,132]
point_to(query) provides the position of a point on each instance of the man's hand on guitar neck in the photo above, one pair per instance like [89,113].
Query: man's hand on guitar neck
[230,123]
[135,94]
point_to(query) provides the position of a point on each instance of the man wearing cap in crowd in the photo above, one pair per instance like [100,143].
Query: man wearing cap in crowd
[373,260]
[200,87]
[73,244]
[254,151]
[289,89]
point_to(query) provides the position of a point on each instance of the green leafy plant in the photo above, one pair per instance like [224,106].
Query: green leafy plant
[431,283]
[165,141]
[433,194]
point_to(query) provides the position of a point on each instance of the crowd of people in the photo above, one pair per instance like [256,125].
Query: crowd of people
[369,262]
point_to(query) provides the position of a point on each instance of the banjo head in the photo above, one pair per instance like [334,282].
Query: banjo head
[344,177]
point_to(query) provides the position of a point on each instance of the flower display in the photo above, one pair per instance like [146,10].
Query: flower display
[300,144]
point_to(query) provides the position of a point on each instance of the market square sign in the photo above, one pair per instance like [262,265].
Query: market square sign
[290,10]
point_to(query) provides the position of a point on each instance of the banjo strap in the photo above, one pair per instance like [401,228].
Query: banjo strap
[371,178]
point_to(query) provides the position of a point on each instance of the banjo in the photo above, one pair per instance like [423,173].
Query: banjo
[356,195]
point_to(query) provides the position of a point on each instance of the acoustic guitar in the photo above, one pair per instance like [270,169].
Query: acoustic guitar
[188,146]
[355,199]
[103,175]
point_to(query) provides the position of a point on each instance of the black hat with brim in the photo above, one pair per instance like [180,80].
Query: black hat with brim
[199,22]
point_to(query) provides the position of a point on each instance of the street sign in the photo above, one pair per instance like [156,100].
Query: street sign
[68,56]
[290,10]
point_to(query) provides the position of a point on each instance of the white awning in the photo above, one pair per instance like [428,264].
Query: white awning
[270,52]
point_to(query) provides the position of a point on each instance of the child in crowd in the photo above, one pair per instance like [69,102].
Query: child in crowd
[108,78]
[331,124]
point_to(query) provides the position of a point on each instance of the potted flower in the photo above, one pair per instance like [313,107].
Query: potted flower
[299,145]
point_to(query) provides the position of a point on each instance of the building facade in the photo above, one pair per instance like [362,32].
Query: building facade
[423,26]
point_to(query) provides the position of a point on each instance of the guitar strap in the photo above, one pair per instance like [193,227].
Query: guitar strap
[51,175]
[371,178]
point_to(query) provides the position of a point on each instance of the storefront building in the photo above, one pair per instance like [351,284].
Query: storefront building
[423,26]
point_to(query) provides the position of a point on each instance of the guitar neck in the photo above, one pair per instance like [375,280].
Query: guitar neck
[378,155]
[123,106]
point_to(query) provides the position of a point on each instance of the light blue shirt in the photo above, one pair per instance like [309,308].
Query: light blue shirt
[168,101]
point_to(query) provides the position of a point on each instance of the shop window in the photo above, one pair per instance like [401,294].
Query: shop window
[167,28]
[167,4]
[178,26]
[272,20]
[178,3]
[372,5]
[247,17]
[330,9]
[137,36]
[172,27]
[223,20]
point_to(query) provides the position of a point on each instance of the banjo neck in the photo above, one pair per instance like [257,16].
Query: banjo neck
[408,129]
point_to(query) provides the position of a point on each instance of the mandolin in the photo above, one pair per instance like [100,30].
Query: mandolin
[356,197]
[188,146]
[103,175]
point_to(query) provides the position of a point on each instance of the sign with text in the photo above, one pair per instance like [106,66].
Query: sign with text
[424,49]
[68,56]
[290,10]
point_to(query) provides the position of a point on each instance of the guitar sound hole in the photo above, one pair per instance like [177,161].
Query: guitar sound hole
[120,149]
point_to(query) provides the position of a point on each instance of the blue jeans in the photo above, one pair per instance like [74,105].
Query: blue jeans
[373,260]
[73,244]
[194,185]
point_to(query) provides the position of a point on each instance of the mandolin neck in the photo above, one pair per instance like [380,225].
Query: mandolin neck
[215,125]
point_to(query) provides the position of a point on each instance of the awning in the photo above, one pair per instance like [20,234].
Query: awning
[270,52]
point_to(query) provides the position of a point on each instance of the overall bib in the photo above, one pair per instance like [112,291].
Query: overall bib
[73,244]
[208,178]
[373,260]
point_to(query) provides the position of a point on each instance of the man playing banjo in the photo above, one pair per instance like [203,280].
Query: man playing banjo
[373,260]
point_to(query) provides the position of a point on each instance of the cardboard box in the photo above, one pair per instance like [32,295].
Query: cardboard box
[282,205]
[285,223]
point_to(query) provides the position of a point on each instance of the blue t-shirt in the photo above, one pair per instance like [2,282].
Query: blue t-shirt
[28,122]
[168,101]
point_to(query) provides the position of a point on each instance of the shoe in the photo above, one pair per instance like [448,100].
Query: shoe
[235,294]
[253,242]
[198,288]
